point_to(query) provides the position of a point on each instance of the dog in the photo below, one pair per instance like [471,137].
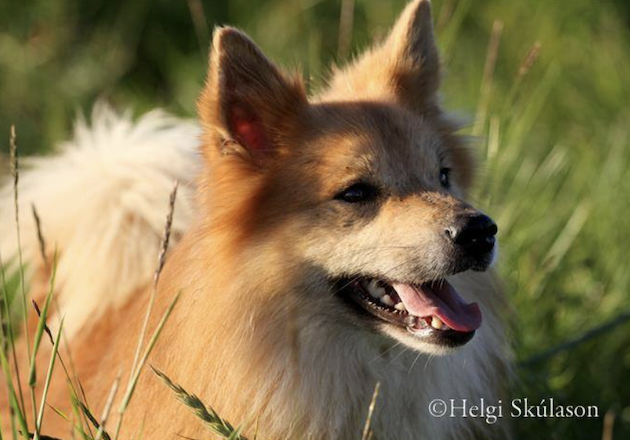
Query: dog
[323,246]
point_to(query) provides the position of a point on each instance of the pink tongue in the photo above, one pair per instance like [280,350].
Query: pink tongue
[441,300]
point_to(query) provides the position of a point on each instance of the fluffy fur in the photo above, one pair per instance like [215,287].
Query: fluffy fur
[103,199]
[259,332]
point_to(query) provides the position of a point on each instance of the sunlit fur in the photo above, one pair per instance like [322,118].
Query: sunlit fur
[102,200]
[259,333]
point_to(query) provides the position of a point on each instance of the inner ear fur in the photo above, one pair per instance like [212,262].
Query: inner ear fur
[248,105]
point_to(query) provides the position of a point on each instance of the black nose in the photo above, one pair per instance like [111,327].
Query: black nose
[473,233]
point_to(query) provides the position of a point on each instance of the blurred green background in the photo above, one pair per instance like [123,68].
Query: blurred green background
[545,85]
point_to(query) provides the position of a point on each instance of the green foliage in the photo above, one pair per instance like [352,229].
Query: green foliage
[554,139]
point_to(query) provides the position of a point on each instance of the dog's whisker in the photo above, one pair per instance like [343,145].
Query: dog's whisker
[404,350]
[414,362]
[382,354]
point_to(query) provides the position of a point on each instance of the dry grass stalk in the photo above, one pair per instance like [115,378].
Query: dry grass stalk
[198,16]
[529,60]
[446,12]
[15,172]
[40,237]
[346,24]
[87,413]
[39,315]
[41,326]
[207,414]
[166,236]
[142,361]
[488,77]
[367,433]
[609,423]
[137,364]
[101,433]
[156,277]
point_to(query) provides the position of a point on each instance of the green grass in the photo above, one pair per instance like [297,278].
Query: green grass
[83,415]
[555,140]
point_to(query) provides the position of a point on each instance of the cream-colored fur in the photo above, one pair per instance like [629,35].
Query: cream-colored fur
[102,199]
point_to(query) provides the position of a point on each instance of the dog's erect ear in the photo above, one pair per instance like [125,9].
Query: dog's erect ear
[248,106]
[416,64]
[405,66]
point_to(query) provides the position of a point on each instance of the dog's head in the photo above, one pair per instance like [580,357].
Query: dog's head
[364,182]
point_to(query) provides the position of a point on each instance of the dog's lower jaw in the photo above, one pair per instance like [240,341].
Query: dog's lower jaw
[421,347]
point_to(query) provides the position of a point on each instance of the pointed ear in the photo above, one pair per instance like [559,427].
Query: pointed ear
[248,106]
[406,66]
[416,63]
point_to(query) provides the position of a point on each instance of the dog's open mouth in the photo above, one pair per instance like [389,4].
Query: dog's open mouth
[433,311]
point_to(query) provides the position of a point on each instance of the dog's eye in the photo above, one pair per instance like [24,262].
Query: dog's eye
[359,192]
[445,179]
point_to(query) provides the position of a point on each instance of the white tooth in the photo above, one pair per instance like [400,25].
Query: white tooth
[400,306]
[386,299]
[437,323]
[375,290]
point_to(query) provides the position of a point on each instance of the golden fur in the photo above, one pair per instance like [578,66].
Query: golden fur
[258,332]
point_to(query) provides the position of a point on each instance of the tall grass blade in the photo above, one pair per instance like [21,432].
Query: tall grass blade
[65,369]
[41,325]
[13,398]
[136,375]
[51,367]
[8,340]
[79,414]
